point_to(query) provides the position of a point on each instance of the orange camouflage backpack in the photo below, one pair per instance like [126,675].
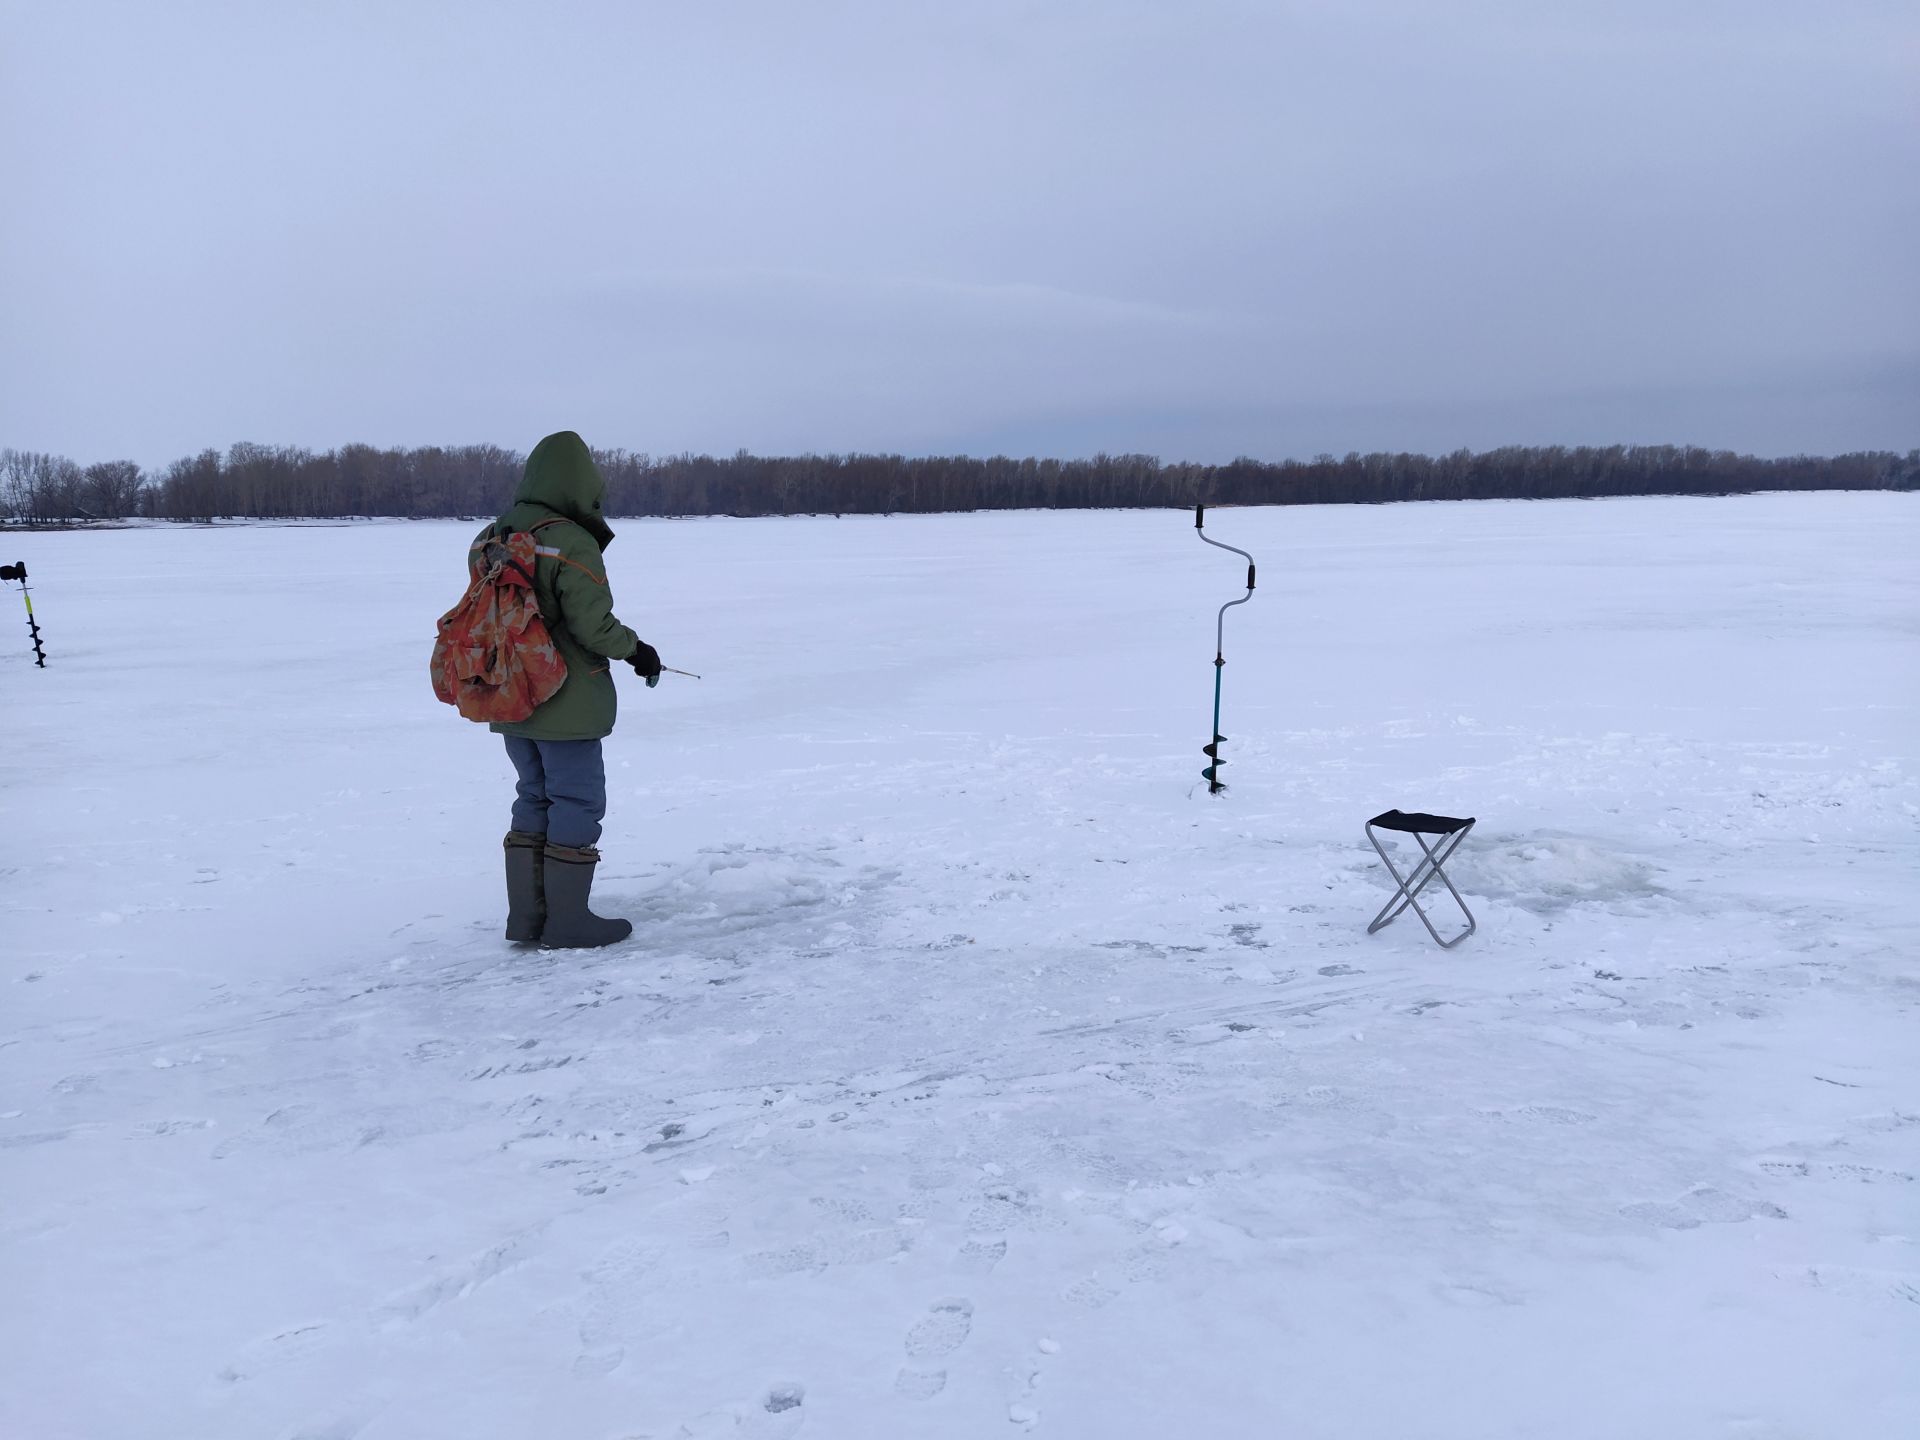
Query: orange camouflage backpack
[495,658]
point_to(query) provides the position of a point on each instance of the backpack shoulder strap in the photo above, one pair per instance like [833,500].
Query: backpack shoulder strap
[501,531]
[535,530]
[554,624]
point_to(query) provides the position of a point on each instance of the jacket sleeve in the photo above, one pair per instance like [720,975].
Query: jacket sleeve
[586,609]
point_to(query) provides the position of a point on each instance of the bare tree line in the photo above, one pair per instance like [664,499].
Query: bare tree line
[37,487]
[285,482]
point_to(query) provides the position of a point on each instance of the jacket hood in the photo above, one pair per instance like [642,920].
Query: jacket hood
[561,476]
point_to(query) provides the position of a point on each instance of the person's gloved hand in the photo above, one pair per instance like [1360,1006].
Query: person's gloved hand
[646,664]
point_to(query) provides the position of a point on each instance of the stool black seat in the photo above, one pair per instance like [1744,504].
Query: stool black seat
[1418,823]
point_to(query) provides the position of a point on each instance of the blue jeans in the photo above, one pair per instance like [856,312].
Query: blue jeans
[562,792]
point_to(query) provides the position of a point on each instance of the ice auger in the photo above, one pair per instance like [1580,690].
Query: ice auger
[19,572]
[1212,751]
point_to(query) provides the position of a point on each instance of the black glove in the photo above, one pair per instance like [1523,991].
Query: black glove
[646,664]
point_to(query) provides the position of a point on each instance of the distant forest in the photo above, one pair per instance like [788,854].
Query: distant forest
[282,482]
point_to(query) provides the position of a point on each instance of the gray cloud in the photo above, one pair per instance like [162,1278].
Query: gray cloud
[1198,230]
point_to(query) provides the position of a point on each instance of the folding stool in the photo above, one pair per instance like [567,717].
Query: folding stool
[1433,857]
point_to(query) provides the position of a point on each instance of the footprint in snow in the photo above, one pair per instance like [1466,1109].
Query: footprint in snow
[1827,1170]
[1146,1264]
[622,1283]
[1554,1115]
[1091,1292]
[840,1208]
[787,1260]
[1853,1281]
[1703,1205]
[919,1384]
[864,1247]
[1541,1115]
[167,1127]
[979,1255]
[857,1247]
[1007,1207]
[1887,1122]
[943,1330]
[457,1282]
[777,1415]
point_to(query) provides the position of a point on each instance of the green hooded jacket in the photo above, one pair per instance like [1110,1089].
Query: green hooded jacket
[563,484]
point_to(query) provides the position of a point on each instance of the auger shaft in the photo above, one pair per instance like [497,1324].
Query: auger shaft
[19,572]
[1212,751]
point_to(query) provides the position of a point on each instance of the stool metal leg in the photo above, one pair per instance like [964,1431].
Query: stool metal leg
[1433,858]
[1410,885]
[1421,876]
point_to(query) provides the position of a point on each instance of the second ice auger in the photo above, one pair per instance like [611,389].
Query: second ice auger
[1212,751]
[19,572]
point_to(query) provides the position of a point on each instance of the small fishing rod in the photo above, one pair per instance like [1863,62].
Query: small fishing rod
[1212,751]
[19,572]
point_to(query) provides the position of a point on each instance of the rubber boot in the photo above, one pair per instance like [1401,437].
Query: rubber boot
[526,894]
[570,924]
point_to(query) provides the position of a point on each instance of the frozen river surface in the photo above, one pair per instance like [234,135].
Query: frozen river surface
[973,1072]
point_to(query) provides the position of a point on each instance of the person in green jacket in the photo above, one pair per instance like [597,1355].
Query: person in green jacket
[561,797]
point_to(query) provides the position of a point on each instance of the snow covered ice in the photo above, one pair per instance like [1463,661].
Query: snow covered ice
[972,1071]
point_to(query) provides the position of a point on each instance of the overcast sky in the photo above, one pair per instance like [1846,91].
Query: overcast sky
[1196,228]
